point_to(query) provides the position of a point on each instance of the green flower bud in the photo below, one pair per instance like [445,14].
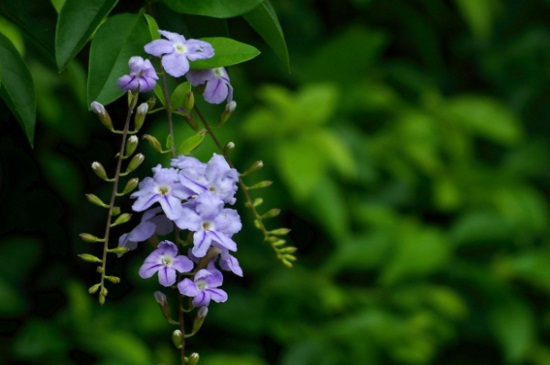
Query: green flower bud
[193,359]
[142,110]
[228,147]
[131,145]
[177,339]
[89,258]
[113,279]
[99,171]
[280,231]
[95,200]
[120,250]
[123,218]
[189,102]
[199,319]
[260,185]
[271,213]
[153,142]
[254,167]
[101,112]
[229,109]
[134,163]
[94,288]
[90,238]
[130,185]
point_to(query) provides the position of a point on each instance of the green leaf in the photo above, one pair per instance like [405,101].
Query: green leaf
[513,325]
[17,88]
[264,21]
[480,15]
[120,38]
[191,143]
[484,117]
[153,26]
[228,52]
[177,99]
[212,8]
[76,23]
[35,18]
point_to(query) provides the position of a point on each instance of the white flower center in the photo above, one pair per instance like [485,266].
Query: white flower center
[180,48]
[163,189]
[206,226]
[202,285]
[166,260]
[218,72]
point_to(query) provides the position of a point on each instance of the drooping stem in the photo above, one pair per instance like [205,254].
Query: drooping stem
[120,157]
[169,113]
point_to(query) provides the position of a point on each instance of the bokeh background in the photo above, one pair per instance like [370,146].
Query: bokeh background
[410,152]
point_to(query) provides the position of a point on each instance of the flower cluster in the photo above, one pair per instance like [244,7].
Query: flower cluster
[192,196]
[176,52]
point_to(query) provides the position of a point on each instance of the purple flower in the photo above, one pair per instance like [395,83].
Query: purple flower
[212,224]
[166,261]
[176,52]
[142,76]
[204,288]
[218,87]
[151,223]
[164,187]
[216,176]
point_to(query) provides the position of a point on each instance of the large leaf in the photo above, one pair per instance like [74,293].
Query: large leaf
[264,21]
[35,18]
[228,52]
[213,8]
[76,23]
[17,88]
[120,38]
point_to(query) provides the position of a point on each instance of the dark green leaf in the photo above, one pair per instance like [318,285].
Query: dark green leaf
[120,38]
[76,23]
[17,89]
[228,52]
[264,21]
[36,18]
[153,26]
[212,8]
[177,99]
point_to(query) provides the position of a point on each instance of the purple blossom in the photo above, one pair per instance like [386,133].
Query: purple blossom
[164,187]
[176,52]
[216,176]
[211,224]
[204,288]
[142,76]
[165,261]
[151,223]
[218,86]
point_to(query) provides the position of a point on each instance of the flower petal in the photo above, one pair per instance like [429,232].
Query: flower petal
[182,264]
[159,47]
[175,64]
[167,276]
[217,295]
[188,287]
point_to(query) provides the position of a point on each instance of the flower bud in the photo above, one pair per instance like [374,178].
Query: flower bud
[151,102]
[163,304]
[228,147]
[142,110]
[135,162]
[261,184]
[123,218]
[189,102]
[101,112]
[131,145]
[113,279]
[130,185]
[94,288]
[271,213]
[252,168]
[90,238]
[153,142]
[99,171]
[95,200]
[120,250]
[177,339]
[193,359]
[89,258]
[199,319]
[229,109]
[280,231]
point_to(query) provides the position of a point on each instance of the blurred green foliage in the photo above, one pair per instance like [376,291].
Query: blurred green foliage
[410,153]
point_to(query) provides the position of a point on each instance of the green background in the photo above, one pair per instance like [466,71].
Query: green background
[410,155]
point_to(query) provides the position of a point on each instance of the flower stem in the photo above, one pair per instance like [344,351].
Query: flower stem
[103,290]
